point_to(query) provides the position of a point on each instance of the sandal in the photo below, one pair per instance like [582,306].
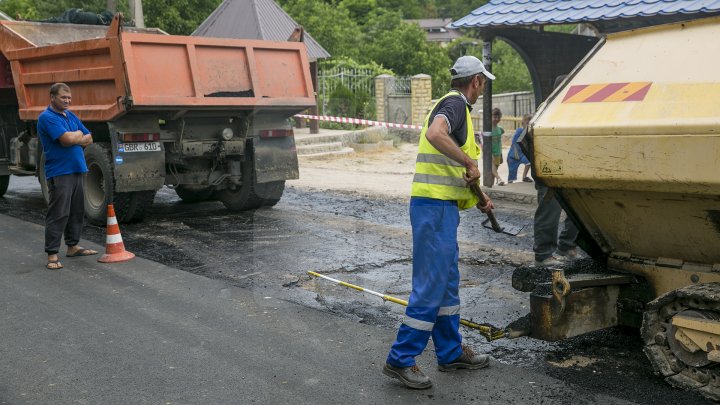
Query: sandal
[82,252]
[527,180]
[502,183]
[54,265]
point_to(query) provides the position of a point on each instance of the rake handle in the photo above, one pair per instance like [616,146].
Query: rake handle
[475,186]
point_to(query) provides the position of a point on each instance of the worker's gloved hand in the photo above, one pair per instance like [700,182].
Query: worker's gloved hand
[487,207]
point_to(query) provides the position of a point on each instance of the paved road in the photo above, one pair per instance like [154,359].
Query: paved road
[231,316]
[141,332]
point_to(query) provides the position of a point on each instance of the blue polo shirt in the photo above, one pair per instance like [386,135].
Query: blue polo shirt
[59,159]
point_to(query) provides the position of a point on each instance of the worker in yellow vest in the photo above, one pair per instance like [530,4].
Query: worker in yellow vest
[446,164]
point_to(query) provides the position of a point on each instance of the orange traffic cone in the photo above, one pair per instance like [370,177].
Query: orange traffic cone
[114,247]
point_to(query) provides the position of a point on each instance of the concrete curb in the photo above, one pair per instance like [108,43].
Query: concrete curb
[511,196]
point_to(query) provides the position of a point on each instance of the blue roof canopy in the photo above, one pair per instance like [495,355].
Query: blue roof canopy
[506,13]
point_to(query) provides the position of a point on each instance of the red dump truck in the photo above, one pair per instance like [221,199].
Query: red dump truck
[205,116]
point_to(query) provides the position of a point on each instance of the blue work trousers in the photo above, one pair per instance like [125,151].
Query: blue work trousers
[434,305]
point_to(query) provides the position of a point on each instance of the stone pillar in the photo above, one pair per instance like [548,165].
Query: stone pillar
[421,93]
[382,88]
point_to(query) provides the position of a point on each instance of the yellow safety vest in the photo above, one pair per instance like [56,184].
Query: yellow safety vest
[439,177]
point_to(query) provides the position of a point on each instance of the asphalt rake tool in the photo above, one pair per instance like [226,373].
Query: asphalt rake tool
[488,331]
[491,222]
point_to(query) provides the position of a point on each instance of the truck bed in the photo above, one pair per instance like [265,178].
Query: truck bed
[128,70]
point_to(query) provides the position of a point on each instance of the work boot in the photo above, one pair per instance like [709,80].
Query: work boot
[411,376]
[468,359]
[570,254]
[551,261]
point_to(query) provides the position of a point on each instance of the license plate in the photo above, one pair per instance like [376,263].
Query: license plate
[140,147]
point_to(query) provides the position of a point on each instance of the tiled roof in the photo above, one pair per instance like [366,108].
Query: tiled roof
[255,19]
[540,12]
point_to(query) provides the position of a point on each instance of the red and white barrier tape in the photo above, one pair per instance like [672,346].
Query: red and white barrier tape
[346,120]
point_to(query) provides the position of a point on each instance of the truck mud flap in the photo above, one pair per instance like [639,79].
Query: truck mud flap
[4,167]
[275,159]
[138,171]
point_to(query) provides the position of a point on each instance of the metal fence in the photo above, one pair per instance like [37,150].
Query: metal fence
[401,86]
[355,80]
[512,105]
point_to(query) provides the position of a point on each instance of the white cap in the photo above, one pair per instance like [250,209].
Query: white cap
[467,66]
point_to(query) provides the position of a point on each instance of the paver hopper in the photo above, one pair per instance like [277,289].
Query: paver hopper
[631,143]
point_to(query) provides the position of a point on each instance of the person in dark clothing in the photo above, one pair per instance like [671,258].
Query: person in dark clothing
[551,249]
[446,164]
[63,137]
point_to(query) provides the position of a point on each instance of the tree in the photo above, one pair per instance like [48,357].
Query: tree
[331,25]
[42,9]
[26,9]
[174,16]
[359,9]
[410,9]
[509,68]
[457,9]
[403,48]
[179,17]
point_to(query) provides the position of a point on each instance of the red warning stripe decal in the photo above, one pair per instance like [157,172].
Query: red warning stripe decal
[607,92]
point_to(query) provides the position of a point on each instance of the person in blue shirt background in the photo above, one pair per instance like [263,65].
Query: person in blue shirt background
[515,156]
[63,137]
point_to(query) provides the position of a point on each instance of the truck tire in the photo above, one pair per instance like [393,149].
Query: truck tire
[244,197]
[100,187]
[191,194]
[4,182]
[140,203]
[241,199]
[271,192]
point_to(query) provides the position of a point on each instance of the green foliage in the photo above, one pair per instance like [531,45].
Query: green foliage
[331,25]
[564,28]
[403,48]
[177,16]
[42,9]
[354,102]
[457,9]
[348,63]
[509,68]
[410,9]
[358,9]
[348,103]
[174,16]
[20,9]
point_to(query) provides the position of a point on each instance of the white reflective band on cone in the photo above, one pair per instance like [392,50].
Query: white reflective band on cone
[112,239]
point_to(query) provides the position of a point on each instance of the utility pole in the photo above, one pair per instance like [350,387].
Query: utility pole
[488,178]
[136,13]
[111,5]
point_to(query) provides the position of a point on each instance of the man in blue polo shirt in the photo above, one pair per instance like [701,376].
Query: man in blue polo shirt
[63,137]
